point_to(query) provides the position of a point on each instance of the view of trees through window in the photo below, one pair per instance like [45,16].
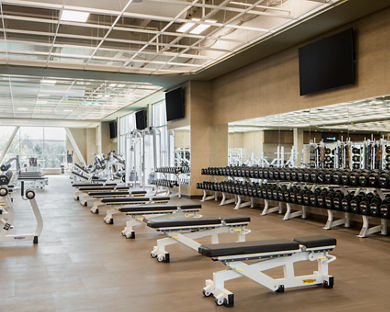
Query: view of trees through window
[45,143]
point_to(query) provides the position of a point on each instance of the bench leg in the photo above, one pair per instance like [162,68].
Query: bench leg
[109,219]
[128,231]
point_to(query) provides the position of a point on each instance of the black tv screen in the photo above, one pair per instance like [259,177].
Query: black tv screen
[141,120]
[175,104]
[329,137]
[328,63]
[113,129]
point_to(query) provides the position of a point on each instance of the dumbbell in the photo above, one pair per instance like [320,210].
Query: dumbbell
[356,166]
[384,179]
[355,150]
[313,196]
[374,207]
[321,177]
[282,174]
[363,177]
[321,197]
[356,158]
[345,177]
[276,173]
[294,175]
[337,200]
[328,202]
[385,208]
[354,178]
[290,195]
[306,175]
[275,193]
[336,177]
[299,196]
[387,158]
[328,175]
[355,203]
[300,175]
[373,178]
[282,191]
[387,149]
[271,173]
[287,174]
[265,173]
[306,197]
[313,175]
[345,203]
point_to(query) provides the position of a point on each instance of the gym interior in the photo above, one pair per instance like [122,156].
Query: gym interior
[178,155]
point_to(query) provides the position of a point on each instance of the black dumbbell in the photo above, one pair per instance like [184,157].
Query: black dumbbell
[374,207]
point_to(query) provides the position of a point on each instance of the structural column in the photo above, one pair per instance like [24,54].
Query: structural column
[298,144]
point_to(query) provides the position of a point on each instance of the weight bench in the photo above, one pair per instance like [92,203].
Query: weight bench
[185,231]
[100,188]
[268,254]
[123,201]
[120,192]
[137,214]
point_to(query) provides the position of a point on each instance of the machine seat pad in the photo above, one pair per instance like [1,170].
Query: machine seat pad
[242,248]
[236,219]
[182,222]
[157,208]
[93,185]
[132,199]
[315,241]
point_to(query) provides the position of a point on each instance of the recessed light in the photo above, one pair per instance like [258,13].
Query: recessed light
[112,84]
[68,110]
[46,81]
[22,109]
[186,26]
[41,102]
[74,16]
[121,85]
[202,27]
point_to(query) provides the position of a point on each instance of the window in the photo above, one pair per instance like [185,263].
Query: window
[48,145]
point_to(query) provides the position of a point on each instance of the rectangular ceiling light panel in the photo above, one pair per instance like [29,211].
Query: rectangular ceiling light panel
[74,16]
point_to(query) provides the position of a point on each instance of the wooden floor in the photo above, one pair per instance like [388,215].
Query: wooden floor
[82,264]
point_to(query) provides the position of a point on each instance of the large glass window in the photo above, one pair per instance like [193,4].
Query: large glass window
[48,145]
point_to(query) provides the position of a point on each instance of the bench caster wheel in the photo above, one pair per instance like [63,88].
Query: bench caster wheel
[35,241]
[109,221]
[329,284]
[85,204]
[280,289]
[153,255]
[220,301]
[163,258]
[206,293]
[132,235]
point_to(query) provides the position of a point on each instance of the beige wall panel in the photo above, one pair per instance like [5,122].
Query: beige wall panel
[182,139]
[271,86]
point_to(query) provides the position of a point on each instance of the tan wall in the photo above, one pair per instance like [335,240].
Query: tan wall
[271,86]
[182,138]
[86,142]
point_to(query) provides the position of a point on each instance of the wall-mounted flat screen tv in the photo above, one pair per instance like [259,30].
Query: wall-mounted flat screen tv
[141,119]
[175,104]
[328,63]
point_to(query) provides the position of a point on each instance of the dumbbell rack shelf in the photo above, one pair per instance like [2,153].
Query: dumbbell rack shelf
[331,223]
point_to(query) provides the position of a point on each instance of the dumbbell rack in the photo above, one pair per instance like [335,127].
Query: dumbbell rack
[177,173]
[289,214]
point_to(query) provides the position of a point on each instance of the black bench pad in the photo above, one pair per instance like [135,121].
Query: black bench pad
[113,193]
[87,184]
[316,241]
[237,219]
[132,199]
[157,208]
[182,222]
[241,248]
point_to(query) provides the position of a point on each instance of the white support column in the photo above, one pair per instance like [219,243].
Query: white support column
[9,142]
[298,144]
[99,138]
[75,146]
